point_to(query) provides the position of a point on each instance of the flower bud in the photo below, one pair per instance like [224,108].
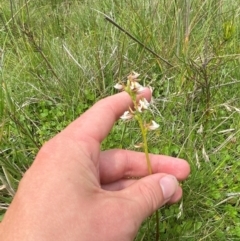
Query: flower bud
[119,86]
[143,105]
[127,115]
[153,126]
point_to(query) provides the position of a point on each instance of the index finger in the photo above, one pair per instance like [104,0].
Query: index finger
[95,124]
[118,164]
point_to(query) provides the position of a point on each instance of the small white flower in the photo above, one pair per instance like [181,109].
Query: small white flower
[143,105]
[140,89]
[127,115]
[133,76]
[135,86]
[119,86]
[153,126]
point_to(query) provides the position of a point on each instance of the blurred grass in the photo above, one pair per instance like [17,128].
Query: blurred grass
[59,57]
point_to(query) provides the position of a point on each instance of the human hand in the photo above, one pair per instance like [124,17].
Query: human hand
[73,191]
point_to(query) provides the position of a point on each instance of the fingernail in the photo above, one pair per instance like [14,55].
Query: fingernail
[169,186]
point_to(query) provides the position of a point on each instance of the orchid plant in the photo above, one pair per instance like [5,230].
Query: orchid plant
[133,88]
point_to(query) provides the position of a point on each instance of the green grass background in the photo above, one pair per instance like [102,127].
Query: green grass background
[58,57]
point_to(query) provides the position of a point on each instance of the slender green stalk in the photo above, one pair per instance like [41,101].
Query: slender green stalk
[145,145]
[145,148]
[144,131]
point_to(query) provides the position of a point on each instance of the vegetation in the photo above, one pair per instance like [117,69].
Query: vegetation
[59,57]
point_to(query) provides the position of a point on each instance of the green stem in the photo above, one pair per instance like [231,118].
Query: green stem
[157,226]
[145,148]
[145,145]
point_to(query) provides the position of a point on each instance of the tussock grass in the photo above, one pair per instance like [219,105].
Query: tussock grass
[57,58]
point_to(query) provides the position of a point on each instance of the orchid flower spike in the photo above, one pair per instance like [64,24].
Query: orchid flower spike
[153,126]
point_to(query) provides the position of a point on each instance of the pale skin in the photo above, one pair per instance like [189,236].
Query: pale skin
[73,191]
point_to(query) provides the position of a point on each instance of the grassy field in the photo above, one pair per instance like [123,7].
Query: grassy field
[59,57]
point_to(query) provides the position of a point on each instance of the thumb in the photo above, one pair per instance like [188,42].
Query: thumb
[150,193]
